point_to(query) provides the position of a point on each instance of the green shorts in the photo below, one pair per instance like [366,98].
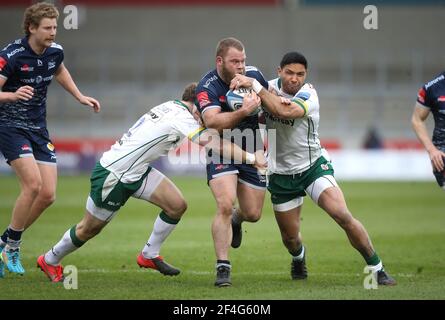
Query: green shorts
[108,192]
[284,188]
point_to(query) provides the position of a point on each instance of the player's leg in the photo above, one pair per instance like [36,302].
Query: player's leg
[161,191]
[325,192]
[45,155]
[288,220]
[93,222]
[30,185]
[47,193]
[250,192]
[223,182]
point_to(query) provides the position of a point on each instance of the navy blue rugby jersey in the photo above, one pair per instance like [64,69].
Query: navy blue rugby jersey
[211,93]
[21,66]
[432,96]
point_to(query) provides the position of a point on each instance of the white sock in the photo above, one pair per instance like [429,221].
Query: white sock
[161,230]
[60,250]
[300,256]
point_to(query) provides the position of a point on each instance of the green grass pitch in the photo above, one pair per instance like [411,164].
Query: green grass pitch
[406,221]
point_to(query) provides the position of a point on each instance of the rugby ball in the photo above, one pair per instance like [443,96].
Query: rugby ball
[235,97]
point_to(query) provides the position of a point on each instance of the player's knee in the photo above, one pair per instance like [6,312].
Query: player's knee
[32,187]
[225,207]
[177,209]
[47,198]
[252,215]
[343,217]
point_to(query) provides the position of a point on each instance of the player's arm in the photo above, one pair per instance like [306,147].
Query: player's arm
[24,93]
[210,139]
[418,118]
[215,119]
[278,106]
[66,81]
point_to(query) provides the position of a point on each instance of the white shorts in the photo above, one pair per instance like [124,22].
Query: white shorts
[314,190]
[149,185]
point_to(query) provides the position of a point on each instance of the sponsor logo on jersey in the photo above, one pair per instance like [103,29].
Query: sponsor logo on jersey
[421,96]
[275,119]
[26,68]
[222,99]
[12,53]
[203,99]
[221,166]
[207,84]
[432,82]
[39,62]
[51,65]
[25,147]
[50,146]
[3,63]
[39,79]
[441,99]
[324,166]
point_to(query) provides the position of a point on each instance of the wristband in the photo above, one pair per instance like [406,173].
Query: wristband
[256,86]
[250,158]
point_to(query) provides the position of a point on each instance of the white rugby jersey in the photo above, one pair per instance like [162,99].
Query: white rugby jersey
[297,144]
[155,133]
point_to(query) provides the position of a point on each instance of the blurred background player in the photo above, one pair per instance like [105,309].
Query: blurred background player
[124,171]
[431,98]
[27,67]
[299,165]
[229,182]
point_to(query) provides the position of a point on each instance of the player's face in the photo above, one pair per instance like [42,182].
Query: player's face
[232,63]
[292,77]
[45,34]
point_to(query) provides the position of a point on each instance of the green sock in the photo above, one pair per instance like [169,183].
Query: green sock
[373,260]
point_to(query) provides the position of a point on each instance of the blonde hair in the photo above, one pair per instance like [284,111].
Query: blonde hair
[225,44]
[35,13]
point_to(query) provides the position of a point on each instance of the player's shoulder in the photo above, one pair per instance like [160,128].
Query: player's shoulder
[307,92]
[209,80]
[437,81]
[55,48]
[13,49]
[252,71]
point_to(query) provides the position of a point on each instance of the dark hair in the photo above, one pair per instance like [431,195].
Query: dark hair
[189,94]
[225,44]
[293,57]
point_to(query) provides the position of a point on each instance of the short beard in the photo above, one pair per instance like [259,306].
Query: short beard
[227,76]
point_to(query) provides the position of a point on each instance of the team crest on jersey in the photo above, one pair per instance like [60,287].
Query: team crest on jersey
[50,146]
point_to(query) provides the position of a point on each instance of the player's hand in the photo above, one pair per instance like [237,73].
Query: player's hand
[260,162]
[24,93]
[88,101]
[251,102]
[437,157]
[285,100]
[241,81]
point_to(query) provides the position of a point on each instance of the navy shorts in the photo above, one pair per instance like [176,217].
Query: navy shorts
[247,174]
[20,143]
